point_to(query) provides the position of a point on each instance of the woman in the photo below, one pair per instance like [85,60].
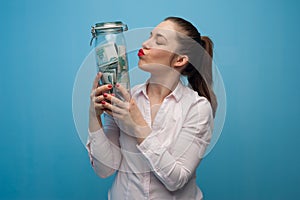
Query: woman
[156,138]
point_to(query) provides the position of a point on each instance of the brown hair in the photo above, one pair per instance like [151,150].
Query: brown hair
[202,82]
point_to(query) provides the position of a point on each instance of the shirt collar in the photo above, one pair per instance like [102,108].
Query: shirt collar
[177,92]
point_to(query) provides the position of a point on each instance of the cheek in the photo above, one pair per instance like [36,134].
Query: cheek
[156,60]
[160,56]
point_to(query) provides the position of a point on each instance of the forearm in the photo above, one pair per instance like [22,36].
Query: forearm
[105,156]
[173,168]
[141,133]
[169,170]
[95,122]
[104,151]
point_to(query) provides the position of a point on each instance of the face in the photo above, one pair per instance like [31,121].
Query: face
[157,53]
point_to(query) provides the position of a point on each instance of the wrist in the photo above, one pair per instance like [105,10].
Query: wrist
[95,122]
[141,132]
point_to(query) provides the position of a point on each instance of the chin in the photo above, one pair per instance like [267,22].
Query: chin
[144,67]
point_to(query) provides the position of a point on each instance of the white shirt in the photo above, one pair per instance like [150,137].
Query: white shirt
[163,166]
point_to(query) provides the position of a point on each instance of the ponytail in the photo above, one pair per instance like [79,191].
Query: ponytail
[203,86]
[207,65]
[200,80]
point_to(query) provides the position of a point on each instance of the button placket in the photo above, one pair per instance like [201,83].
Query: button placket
[146,184]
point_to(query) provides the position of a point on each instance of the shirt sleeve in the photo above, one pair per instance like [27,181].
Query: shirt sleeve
[175,171]
[104,148]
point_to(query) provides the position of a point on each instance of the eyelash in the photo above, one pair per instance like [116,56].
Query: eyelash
[158,43]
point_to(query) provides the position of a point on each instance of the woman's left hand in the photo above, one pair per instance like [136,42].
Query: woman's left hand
[126,114]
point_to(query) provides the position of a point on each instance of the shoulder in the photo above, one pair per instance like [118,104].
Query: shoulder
[196,105]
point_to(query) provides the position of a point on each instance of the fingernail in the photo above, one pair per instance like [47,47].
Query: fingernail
[105,95]
[117,85]
[112,94]
[109,86]
[103,102]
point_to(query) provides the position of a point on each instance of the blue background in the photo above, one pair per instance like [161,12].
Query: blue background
[43,43]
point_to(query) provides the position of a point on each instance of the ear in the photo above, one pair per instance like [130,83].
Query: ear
[181,60]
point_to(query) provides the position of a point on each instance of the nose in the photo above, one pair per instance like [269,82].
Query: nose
[146,44]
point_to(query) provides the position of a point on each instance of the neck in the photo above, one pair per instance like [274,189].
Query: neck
[159,87]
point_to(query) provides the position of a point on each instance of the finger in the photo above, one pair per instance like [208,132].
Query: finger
[102,89]
[116,101]
[114,109]
[113,114]
[98,99]
[116,117]
[123,91]
[96,80]
[101,105]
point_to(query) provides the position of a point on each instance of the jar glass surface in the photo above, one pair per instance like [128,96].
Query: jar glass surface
[110,53]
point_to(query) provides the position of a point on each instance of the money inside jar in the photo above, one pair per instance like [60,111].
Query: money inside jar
[107,62]
[110,52]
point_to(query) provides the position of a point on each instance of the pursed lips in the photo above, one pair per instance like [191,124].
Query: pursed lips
[141,53]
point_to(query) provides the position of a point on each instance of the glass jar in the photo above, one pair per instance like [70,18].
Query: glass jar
[110,53]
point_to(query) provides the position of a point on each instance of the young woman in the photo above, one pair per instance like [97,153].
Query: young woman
[155,138]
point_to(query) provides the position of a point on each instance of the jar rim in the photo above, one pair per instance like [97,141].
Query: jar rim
[107,28]
[110,25]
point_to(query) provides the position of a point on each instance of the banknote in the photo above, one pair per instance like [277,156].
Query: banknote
[122,58]
[112,62]
[109,76]
[109,73]
[106,53]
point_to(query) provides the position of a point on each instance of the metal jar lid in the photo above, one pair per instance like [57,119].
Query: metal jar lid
[107,27]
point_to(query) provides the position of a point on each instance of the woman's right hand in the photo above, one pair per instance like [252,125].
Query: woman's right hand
[97,98]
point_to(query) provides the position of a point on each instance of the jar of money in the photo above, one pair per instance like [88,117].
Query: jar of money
[110,53]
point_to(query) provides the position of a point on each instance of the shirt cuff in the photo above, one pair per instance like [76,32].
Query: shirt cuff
[95,133]
[97,137]
[150,142]
[152,149]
